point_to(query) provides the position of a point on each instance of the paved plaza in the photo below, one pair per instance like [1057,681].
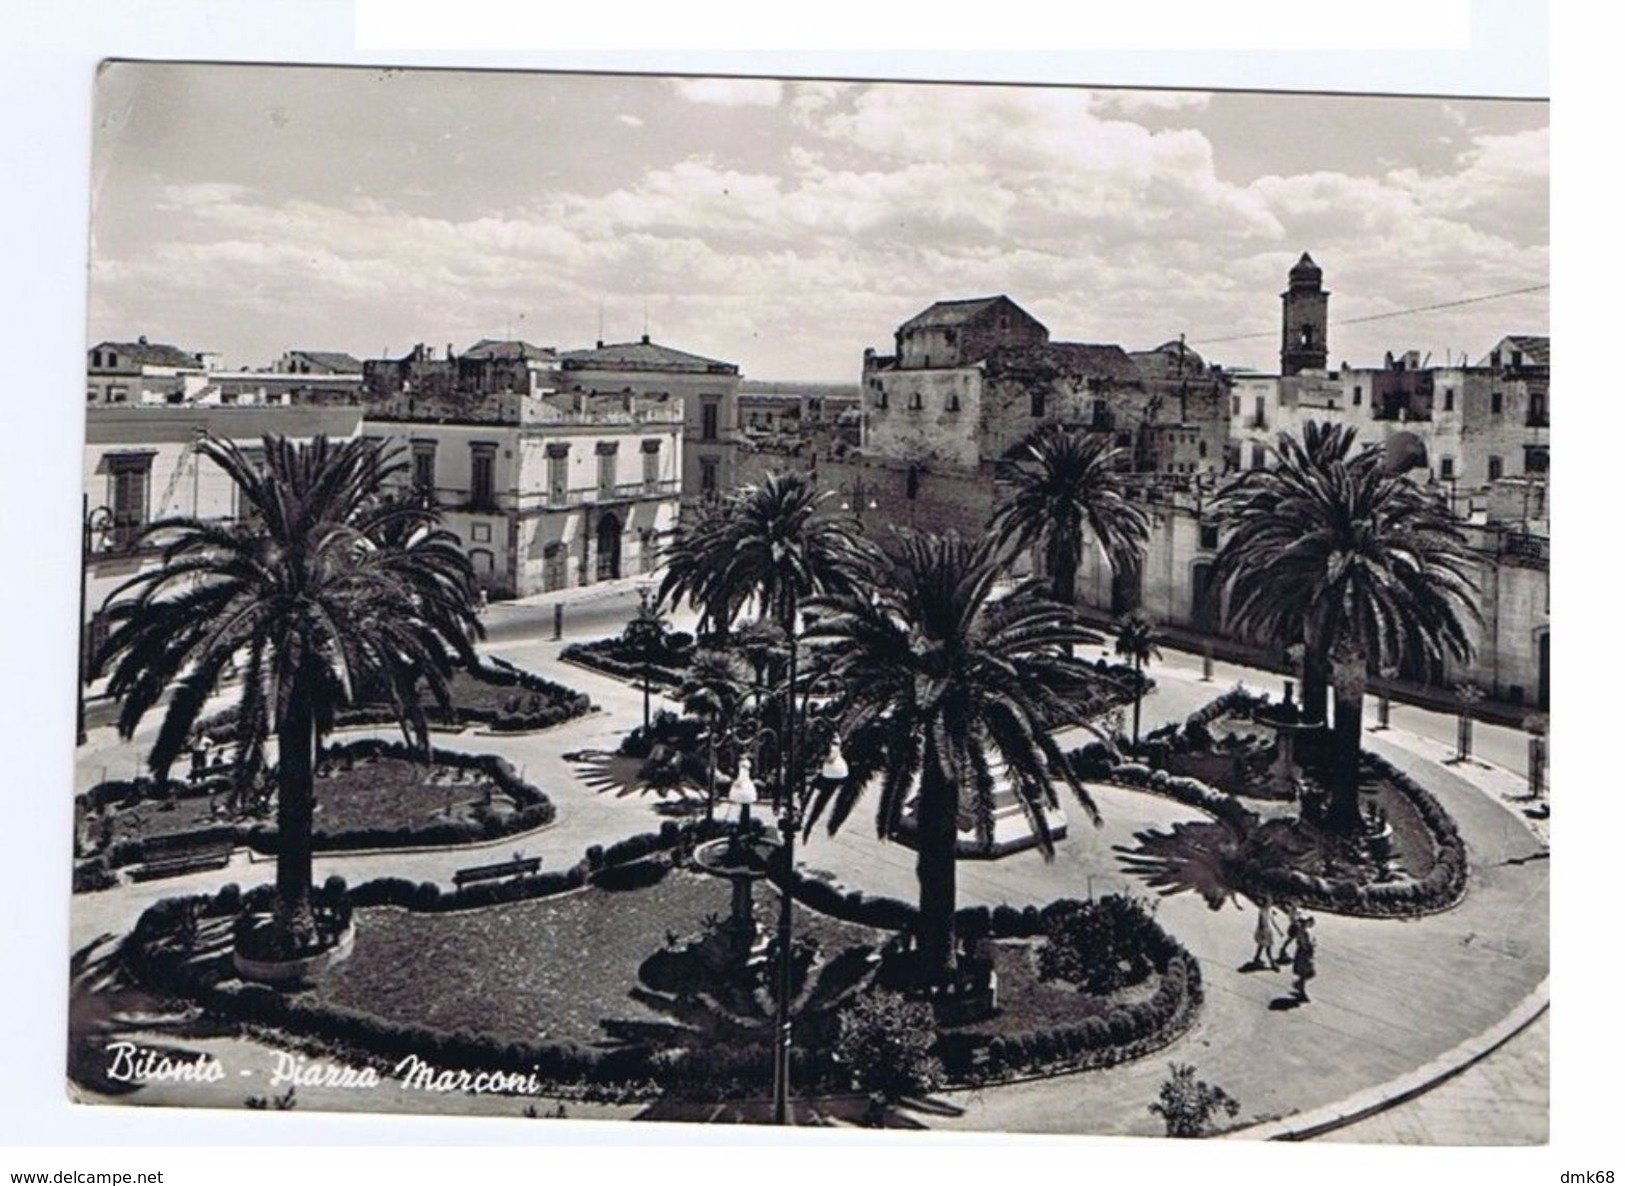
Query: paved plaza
[1393,998]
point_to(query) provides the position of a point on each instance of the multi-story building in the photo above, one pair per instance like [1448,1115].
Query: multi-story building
[142,464]
[548,489]
[143,372]
[970,380]
[705,390]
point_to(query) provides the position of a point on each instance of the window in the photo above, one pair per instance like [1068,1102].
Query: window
[1537,459]
[554,557]
[1495,403]
[90,395]
[916,402]
[128,481]
[1359,394]
[423,469]
[112,359]
[1258,456]
[880,397]
[1537,410]
[558,474]
[1258,413]
[1447,469]
[1038,404]
[1495,468]
[1210,535]
[953,401]
[708,420]
[95,358]
[651,466]
[1201,450]
[1235,405]
[482,476]
[1450,399]
[606,468]
[480,533]
[118,395]
[708,475]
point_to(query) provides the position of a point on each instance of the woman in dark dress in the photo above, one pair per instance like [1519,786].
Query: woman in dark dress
[1303,958]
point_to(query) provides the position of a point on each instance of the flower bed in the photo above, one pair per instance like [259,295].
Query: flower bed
[493,693]
[1437,884]
[614,657]
[386,802]
[489,1019]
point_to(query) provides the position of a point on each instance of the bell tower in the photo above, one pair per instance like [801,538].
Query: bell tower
[1303,319]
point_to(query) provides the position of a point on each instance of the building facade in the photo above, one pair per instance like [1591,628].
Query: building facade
[547,489]
[141,464]
[704,390]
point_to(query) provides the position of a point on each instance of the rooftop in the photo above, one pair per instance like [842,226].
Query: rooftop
[498,349]
[643,355]
[333,360]
[144,353]
[944,314]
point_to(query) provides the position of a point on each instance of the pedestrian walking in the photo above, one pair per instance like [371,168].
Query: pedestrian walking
[1294,931]
[1303,959]
[1265,932]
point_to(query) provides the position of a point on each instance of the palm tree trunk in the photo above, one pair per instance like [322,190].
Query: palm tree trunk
[935,866]
[1348,703]
[1139,694]
[1314,687]
[295,802]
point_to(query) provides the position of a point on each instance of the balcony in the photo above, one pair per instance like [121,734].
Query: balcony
[582,496]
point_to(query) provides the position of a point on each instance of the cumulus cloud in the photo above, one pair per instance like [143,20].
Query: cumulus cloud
[876,200]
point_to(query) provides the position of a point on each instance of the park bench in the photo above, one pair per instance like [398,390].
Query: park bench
[518,867]
[182,852]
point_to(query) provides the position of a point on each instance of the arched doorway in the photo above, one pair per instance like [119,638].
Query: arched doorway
[1204,608]
[1126,592]
[1544,698]
[609,547]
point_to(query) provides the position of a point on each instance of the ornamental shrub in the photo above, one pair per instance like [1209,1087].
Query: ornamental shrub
[885,1043]
[1187,1105]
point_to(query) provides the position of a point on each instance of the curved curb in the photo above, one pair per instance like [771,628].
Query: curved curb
[1314,1123]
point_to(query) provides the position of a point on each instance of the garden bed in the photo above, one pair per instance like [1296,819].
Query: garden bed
[1289,860]
[493,693]
[616,658]
[577,987]
[369,794]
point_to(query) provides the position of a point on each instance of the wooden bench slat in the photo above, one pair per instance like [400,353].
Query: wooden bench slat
[517,868]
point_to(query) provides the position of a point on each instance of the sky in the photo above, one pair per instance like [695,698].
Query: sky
[785,226]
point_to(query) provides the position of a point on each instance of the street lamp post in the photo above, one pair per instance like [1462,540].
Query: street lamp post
[93,522]
[791,788]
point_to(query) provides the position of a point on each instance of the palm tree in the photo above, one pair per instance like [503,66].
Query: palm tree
[1067,481]
[771,544]
[692,576]
[714,691]
[645,636]
[324,591]
[1137,640]
[1359,563]
[941,683]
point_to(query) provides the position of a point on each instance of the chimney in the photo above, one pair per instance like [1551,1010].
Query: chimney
[645,339]
[600,345]
[448,351]
[142,339]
